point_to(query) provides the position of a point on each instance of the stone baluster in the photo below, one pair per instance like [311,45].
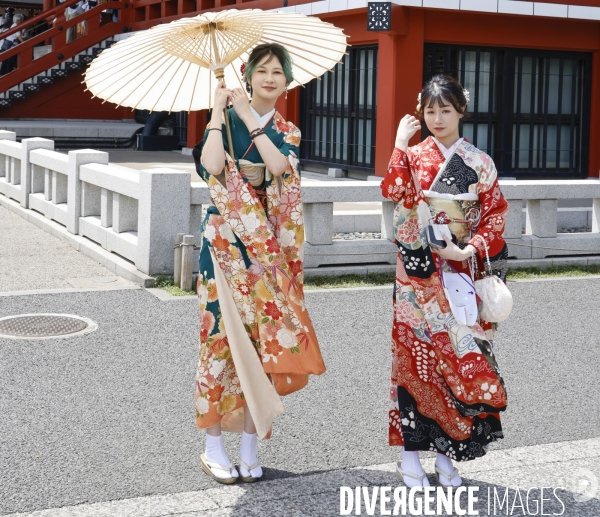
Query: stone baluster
[541,217]
[318,223]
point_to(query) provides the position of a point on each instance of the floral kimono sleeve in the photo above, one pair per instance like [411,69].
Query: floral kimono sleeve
[289,146]
[397,183]
[494,210]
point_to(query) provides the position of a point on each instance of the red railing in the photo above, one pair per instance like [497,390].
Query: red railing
[28,67]
[137,15]
[148,13]
[45,15]
[585,3]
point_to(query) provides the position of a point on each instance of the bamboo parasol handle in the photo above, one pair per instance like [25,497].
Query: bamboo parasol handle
[220,74]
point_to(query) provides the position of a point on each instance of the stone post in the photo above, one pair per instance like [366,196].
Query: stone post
[387,220]
[164,211]
[542,215]
[76,160]
[513,228]
[6,135]
[318,223]
[29,144]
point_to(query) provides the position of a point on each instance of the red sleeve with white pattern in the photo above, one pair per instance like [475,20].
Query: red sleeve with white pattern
[397,184]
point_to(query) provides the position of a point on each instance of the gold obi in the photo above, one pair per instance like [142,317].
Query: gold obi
[255,172]
[461,212]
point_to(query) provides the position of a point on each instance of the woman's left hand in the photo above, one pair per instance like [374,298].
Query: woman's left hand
[241,105]
[453,252]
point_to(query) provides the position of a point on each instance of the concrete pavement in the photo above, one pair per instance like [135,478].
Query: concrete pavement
[504,479]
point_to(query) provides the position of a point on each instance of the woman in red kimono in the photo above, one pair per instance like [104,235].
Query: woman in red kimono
[446,389]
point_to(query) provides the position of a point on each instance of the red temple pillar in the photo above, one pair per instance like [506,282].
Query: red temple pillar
[594,156]
[399,81]
[196,127]
[289,108]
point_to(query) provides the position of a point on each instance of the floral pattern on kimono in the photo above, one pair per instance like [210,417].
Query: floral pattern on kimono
[256,235]
[446,390]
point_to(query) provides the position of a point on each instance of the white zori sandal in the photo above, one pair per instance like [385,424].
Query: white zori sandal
[448,475]
[409,474]
[208,466]
[249,478]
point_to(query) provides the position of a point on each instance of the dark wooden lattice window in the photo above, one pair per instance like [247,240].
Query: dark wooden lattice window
[338,113]
[529,108]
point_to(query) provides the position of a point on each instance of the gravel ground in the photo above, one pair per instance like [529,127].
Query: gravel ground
[109,415]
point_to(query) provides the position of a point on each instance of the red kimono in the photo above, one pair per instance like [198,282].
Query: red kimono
[446,388]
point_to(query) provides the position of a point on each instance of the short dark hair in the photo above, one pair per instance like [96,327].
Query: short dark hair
[268,49]
[442,88]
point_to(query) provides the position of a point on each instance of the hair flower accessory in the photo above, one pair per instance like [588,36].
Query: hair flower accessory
[467,95]
[419,102]
[243,68]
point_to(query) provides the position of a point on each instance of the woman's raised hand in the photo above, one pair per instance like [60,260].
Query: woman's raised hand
[222,96]
[407,128]
[241,105]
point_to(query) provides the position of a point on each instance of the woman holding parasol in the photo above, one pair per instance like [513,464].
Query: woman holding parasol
[256,338]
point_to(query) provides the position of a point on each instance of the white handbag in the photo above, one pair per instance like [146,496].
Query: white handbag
[496,300]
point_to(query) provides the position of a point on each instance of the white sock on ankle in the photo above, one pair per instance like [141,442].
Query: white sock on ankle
[446,464]
[412,464]
[248,455]
[215,451]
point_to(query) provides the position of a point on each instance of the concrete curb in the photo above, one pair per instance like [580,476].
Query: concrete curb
[111,261]
[164,296]
[367,269]
[69,290]
[563,465]
[587,260]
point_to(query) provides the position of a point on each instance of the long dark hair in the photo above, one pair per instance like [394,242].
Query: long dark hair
[442,89]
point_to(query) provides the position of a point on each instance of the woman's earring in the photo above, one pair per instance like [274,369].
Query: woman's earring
[286,92]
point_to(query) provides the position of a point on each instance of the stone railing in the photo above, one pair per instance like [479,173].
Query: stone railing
[136,215]
[541,218]
[321,249]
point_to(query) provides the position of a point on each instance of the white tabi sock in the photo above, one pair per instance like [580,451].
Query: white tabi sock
[445,463]
[412,464]
[248,455]
[215,451]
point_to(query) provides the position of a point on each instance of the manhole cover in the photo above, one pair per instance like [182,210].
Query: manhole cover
[44,326]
